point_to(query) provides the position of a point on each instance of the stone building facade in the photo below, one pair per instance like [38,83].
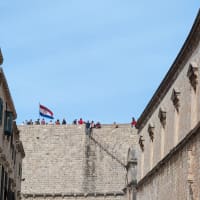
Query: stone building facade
[169,130]
[62,162]
[11,148]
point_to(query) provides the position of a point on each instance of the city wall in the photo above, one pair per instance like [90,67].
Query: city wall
[63,162]
[177,176]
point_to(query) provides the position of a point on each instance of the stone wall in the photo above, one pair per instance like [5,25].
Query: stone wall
[11,148]
[62,159]
[166,171]
[178,122]
[177,178]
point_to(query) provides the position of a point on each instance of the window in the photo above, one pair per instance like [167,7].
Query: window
[1,111]
[8,123]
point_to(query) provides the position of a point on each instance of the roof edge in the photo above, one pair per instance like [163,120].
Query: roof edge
[7,92]
[186,51]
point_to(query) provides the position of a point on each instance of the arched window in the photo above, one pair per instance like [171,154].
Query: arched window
[1,111]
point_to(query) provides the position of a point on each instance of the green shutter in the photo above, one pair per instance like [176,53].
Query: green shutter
[1,111]
[8,123]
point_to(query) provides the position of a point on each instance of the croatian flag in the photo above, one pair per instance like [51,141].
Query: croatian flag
[45,112]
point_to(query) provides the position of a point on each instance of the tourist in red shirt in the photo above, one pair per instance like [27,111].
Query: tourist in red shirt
[80,121]
[133,123]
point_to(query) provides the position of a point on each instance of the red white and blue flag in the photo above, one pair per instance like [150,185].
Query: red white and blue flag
[45,112]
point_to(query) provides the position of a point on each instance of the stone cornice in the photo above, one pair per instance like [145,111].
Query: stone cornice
[185,53]
[172,153]
[71,194]
[9,100]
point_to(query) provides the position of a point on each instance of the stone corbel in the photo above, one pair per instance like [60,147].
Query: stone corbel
[176,99]
[1,150]
[20,148]
[192,74]
[13,184]
[141,143]
[2,157]
[18,194]
[18,145]
[162,116]
[151,131]
[10,170]
[7,164]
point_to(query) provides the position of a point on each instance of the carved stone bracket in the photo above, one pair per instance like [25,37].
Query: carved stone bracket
[20,148]
[176,99]
[151,131]
[2,157]
[162,116]
[18,194]
[7,164]
[192,74]
[141,143]
[13,183]
[10,170]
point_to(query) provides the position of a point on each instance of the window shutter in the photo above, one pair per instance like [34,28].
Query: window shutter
[8,123]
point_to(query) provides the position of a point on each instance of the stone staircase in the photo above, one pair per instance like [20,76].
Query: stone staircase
[102,146]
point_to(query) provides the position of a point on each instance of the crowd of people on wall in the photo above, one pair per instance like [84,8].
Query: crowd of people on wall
[88,124]
[58,122]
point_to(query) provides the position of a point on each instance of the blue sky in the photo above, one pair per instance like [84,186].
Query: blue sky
[100,60]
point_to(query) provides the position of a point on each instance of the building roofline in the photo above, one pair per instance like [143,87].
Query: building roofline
[3,81]
[186,51]
[1,57]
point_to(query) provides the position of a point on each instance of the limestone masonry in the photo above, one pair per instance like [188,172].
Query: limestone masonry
[63,161]
[11,148]
[169,130]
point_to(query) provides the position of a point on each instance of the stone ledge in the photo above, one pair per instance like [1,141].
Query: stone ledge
[128,125]
[54,195]
[175,150]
